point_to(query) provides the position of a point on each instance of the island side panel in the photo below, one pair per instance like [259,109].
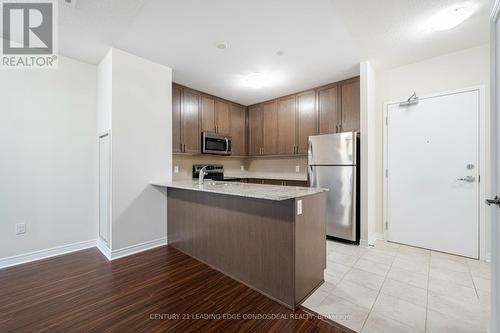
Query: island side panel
[248,239]
[310,245]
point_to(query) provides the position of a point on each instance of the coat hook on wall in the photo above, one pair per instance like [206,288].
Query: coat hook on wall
[410,101]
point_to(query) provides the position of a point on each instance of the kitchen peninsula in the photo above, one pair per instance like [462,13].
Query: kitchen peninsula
[271,238]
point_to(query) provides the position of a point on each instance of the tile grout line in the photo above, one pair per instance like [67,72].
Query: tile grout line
[427,289]
[473,282]
[378,294]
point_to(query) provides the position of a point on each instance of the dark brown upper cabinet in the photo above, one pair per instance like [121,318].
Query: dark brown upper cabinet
[339,107]
[238,129]
[350,105]
[270,132]
[222,117]
[328,109]
[215,115]
[256,130]
[191,136]
[307,120]
[274,128]
[185,120]
[207,114]
[286,126]
[176,119]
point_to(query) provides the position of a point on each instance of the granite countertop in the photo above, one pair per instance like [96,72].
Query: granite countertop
[258,191]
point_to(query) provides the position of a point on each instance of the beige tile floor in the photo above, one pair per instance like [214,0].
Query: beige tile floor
[397,288]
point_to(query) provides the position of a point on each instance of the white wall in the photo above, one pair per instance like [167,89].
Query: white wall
[141,148]
[48,157]
[104,94]
[368,109]
[457,70]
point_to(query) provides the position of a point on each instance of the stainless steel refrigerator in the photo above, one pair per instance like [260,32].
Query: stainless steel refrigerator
[333,164]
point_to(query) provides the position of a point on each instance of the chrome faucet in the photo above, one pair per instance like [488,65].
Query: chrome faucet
[202,175]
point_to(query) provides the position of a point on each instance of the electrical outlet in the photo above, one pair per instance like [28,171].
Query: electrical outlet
[299,207]
[176,169]
[20,228]
[297,168]
[242,168]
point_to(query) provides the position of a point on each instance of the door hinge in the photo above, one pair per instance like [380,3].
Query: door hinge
[386,225]
[387,120]
[386,173]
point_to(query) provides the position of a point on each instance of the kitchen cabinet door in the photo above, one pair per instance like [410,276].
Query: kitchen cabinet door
[273,182]
[270,128]
[300,183]
[255,129]
[222,117]
[238,130]
[328,109]
[286,126]
[350,105]
[190,121]
[306,119]
[176,119]
[255,181]
[207,114]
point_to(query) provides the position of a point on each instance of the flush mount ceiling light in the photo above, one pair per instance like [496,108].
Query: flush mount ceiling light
[222,46]
[450,18]
[256,80]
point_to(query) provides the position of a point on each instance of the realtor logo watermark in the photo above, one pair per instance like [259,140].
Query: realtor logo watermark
[29,34]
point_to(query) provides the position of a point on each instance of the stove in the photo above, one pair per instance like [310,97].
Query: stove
[215,172]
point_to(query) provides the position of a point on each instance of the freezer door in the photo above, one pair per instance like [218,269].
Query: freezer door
[332,149]
[341,198]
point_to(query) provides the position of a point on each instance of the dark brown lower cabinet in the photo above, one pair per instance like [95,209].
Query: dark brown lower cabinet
[285,182]
[262,243]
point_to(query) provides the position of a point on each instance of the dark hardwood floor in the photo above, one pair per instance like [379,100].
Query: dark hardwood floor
[161,290]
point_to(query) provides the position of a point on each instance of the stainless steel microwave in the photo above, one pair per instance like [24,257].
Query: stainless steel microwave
[213,143]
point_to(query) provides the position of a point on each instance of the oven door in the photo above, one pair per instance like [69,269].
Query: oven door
[213,143]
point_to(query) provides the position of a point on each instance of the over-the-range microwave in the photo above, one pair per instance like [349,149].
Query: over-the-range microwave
[213,143]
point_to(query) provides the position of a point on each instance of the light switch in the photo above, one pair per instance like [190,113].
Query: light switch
[299,207]
[176,169]
[297,168]
[242,168]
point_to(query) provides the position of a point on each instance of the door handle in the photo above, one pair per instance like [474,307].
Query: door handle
[494,201]
[468,179]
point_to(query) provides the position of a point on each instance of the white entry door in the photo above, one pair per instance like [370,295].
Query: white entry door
[432,176]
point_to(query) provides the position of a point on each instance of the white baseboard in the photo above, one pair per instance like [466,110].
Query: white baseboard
[47,253]
[103,247]
[363,243]
[129,250]
[371,239]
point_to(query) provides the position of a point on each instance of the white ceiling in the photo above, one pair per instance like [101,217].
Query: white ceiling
[323,40]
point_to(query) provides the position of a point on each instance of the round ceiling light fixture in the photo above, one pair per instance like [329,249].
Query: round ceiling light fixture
[256,80]
[450,18]
[222,46]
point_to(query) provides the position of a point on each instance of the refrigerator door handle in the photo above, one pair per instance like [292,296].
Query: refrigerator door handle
[310,176]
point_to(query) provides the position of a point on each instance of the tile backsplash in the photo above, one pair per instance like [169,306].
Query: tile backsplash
[272,168]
